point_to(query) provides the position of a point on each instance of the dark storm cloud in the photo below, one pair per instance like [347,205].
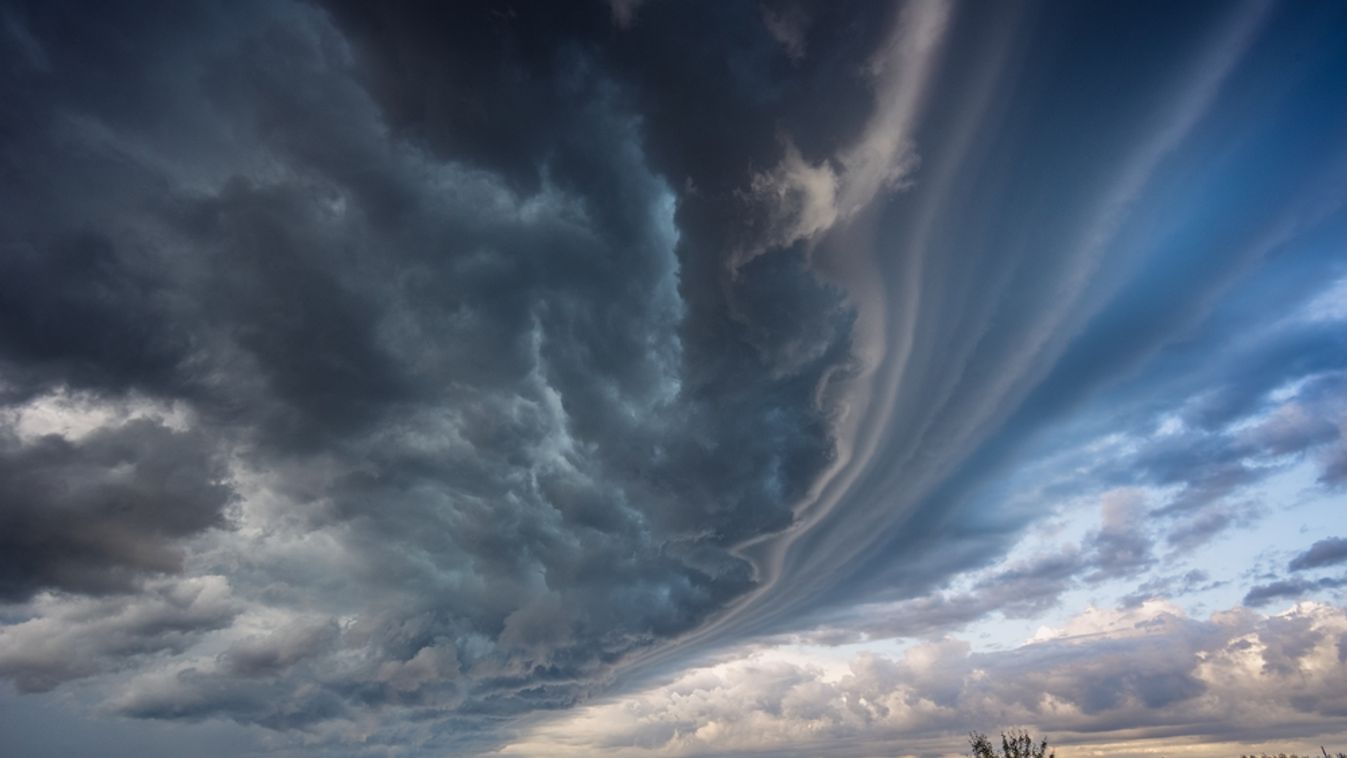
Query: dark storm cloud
[97,514]
[460,305]
[708,122]
[74,307]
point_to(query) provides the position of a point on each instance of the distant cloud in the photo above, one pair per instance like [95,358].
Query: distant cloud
[1325,552]
[1104,675]
[1263,594]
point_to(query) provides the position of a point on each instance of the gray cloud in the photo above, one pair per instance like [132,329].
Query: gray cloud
[1325,552]
[1263,594]
[1161,587]
[97,514]
[1122,548]
[495,367]
[72,640]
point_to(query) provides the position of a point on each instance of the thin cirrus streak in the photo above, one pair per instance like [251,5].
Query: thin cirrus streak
[891,423]
[907,69]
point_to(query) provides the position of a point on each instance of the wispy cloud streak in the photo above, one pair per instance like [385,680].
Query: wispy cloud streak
[919,408]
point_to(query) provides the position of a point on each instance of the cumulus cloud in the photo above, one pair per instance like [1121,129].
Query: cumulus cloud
[1104,675]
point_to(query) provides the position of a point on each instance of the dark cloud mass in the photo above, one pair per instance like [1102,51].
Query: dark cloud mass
[385,379]
[91,515]
[433,293]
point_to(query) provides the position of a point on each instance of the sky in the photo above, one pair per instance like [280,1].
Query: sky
[644,378]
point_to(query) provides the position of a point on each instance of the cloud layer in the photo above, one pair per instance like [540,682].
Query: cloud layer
[398,379]
[1105,676]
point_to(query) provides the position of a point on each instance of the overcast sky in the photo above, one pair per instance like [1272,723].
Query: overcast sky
[660,378]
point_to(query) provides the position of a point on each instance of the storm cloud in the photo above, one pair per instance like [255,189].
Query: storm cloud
[407,379]
[464,356]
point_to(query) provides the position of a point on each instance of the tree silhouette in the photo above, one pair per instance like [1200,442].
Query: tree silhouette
[1014,744]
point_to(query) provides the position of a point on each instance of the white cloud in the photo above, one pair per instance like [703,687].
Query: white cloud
[807,199]
[1329,305]
[1103,677]
[76,415]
